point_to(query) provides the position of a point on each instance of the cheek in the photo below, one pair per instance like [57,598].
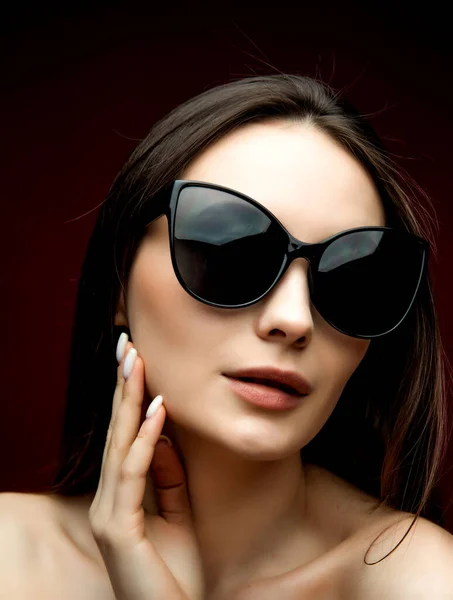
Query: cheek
[157,305]
[342,355]
[351,357]
[158,311]
[178,338]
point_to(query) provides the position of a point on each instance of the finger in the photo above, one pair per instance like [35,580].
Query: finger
[170,483]
[118,394]
[117,397]
[130,489]
[125,427]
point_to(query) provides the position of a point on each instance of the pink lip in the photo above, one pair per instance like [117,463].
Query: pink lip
[263,395]
[291,379]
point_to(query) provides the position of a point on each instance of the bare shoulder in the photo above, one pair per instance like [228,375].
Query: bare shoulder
[32,541]
[31,517]
[21,517]
[419,566]
[20,546]
[26,503]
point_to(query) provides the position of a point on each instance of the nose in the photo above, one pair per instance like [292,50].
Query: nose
[286,312]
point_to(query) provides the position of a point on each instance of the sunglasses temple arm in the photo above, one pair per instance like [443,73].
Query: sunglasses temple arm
[157,206]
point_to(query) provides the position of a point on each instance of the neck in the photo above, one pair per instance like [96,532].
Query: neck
[248,514]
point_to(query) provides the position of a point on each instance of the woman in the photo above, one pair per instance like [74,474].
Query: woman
[258,238]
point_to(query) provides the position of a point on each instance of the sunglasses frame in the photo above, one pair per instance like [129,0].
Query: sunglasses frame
[167,200]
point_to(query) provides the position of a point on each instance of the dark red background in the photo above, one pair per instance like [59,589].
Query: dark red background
[78,90]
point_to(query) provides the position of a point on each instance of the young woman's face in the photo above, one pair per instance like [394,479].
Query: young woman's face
[316,189]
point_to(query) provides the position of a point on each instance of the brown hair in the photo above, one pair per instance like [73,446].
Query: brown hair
[387,434]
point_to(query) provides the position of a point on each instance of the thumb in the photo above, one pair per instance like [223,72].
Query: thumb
[169,479]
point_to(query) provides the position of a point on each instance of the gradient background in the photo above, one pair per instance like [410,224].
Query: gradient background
[81,86]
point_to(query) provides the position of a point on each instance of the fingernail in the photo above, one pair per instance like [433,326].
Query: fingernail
[129,362]
[121,346]
[165,439]
[154,406]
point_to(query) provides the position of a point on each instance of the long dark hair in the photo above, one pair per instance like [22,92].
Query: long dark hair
[387,434]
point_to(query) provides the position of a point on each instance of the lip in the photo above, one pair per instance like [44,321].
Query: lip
[291,379]
[263,395]
[266,396]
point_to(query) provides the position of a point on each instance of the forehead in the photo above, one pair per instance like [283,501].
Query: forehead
[311,184]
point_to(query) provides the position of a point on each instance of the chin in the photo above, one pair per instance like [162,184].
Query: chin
[257,445]
[260,453]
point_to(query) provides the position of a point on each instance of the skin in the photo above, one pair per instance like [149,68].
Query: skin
[249,491]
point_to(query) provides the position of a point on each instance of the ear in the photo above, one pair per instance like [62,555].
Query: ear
[121,312]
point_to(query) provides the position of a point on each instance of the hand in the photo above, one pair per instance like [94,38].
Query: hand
[148,556]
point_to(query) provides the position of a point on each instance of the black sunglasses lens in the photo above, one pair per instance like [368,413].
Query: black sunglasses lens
[227,251]
[366,281]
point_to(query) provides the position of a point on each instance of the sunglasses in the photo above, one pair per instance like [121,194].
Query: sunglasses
[229,251]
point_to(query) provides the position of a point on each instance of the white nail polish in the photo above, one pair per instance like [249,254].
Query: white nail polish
[164,437]
[121,346]
[154,406]
[129,362]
